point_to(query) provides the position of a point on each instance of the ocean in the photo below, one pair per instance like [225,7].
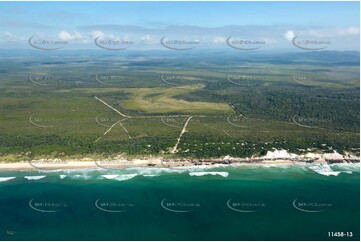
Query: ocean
[244,202]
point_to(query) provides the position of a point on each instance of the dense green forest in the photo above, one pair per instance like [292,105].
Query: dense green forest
[104,105]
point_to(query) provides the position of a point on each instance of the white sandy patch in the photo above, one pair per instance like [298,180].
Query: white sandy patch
[279,154]
[334,155]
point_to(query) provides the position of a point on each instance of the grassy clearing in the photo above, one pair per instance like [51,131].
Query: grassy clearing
[163,100]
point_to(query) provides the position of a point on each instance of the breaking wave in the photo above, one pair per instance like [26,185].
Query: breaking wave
[34,177]
[122,177]
[3,179]
[214,173]
[326,170]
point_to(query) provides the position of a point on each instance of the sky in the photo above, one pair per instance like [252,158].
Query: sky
[209,23]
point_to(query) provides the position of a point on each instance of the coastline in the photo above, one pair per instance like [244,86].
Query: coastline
[277,157]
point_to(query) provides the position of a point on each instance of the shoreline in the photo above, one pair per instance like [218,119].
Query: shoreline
[113,164]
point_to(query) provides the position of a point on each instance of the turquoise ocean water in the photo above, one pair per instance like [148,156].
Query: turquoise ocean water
[303,202]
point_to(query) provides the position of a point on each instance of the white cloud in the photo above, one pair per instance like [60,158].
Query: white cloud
[353,30]
[349,31]
[289,35]
[96,34]
[8,35]
[329,33]
[219,40]
[66,36]
[269,40]
[148,39]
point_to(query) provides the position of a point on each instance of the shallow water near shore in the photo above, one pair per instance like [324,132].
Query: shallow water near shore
[214,203]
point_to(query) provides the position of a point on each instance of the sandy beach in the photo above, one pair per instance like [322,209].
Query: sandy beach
[73,165]
[57,164]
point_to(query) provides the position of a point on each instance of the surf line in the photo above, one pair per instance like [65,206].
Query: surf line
[175,148]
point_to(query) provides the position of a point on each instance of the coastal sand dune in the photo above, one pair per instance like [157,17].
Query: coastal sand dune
[275,157]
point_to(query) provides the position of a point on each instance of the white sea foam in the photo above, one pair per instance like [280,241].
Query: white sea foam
[213,173]
[125,177]
[326,170]
[355,167]
[80,170]
[110,176]
[145,171]
[329,173]
[62,176]
[34,177]
[50,171]
[83,176]
[120,177]
[284,166]
[3,179]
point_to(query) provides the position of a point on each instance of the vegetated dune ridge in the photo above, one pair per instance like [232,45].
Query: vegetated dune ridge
[277,157]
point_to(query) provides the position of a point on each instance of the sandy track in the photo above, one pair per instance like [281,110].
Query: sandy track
[106,104]
[175,148]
